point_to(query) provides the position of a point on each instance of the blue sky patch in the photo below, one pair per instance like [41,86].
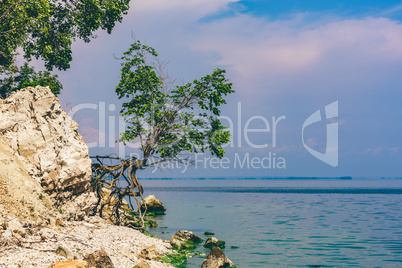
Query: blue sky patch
[351,9]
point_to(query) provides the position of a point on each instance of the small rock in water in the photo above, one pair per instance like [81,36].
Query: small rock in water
[217,259]
[185,239]
[152,224]
[209,233]
[214,242]
[151,204]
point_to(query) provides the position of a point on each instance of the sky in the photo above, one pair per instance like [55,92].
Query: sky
[318,83]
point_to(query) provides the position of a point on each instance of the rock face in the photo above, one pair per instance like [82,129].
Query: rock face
[45,140]
[217,259]
[45,169]
[151,204]
[185,239]
[20,194]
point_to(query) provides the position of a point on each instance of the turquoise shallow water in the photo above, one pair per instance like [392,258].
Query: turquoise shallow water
[288,223]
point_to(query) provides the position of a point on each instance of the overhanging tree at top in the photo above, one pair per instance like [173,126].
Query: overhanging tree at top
[45,29]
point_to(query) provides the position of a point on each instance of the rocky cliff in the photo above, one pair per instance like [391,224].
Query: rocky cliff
[44,162]
[44,138]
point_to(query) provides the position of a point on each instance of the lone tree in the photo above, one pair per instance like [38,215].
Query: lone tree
[45,29]
[170,122]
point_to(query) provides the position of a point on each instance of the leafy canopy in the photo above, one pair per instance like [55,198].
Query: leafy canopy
[25,76]
[45,29]
[170,120]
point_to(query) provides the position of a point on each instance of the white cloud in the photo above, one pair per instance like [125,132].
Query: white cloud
[193,9]
[258,47]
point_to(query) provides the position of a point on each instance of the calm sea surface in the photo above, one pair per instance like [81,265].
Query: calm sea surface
[288,223]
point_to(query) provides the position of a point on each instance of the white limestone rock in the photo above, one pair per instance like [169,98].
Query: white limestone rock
[45,139]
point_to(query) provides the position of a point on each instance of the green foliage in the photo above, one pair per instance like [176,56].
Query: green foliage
[219,243]
[145,232]
[209,233]
[45,29]
[188,245]
[133,213]
[170,120]
[18,78]
[178,259]
[154,213]
[134,224]
[151,223]
[150,213]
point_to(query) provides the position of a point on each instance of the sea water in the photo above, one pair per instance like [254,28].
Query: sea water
[288,223]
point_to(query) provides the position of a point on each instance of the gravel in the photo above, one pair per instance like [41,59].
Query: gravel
[35,246]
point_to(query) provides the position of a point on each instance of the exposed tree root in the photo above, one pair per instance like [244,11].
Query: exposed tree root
[119,176]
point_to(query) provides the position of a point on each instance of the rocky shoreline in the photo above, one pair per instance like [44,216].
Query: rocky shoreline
[36,246]
[49,213]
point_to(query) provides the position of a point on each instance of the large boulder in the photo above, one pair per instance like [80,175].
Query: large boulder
[45,139]
[217,259]
[151,204]
[185,240]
